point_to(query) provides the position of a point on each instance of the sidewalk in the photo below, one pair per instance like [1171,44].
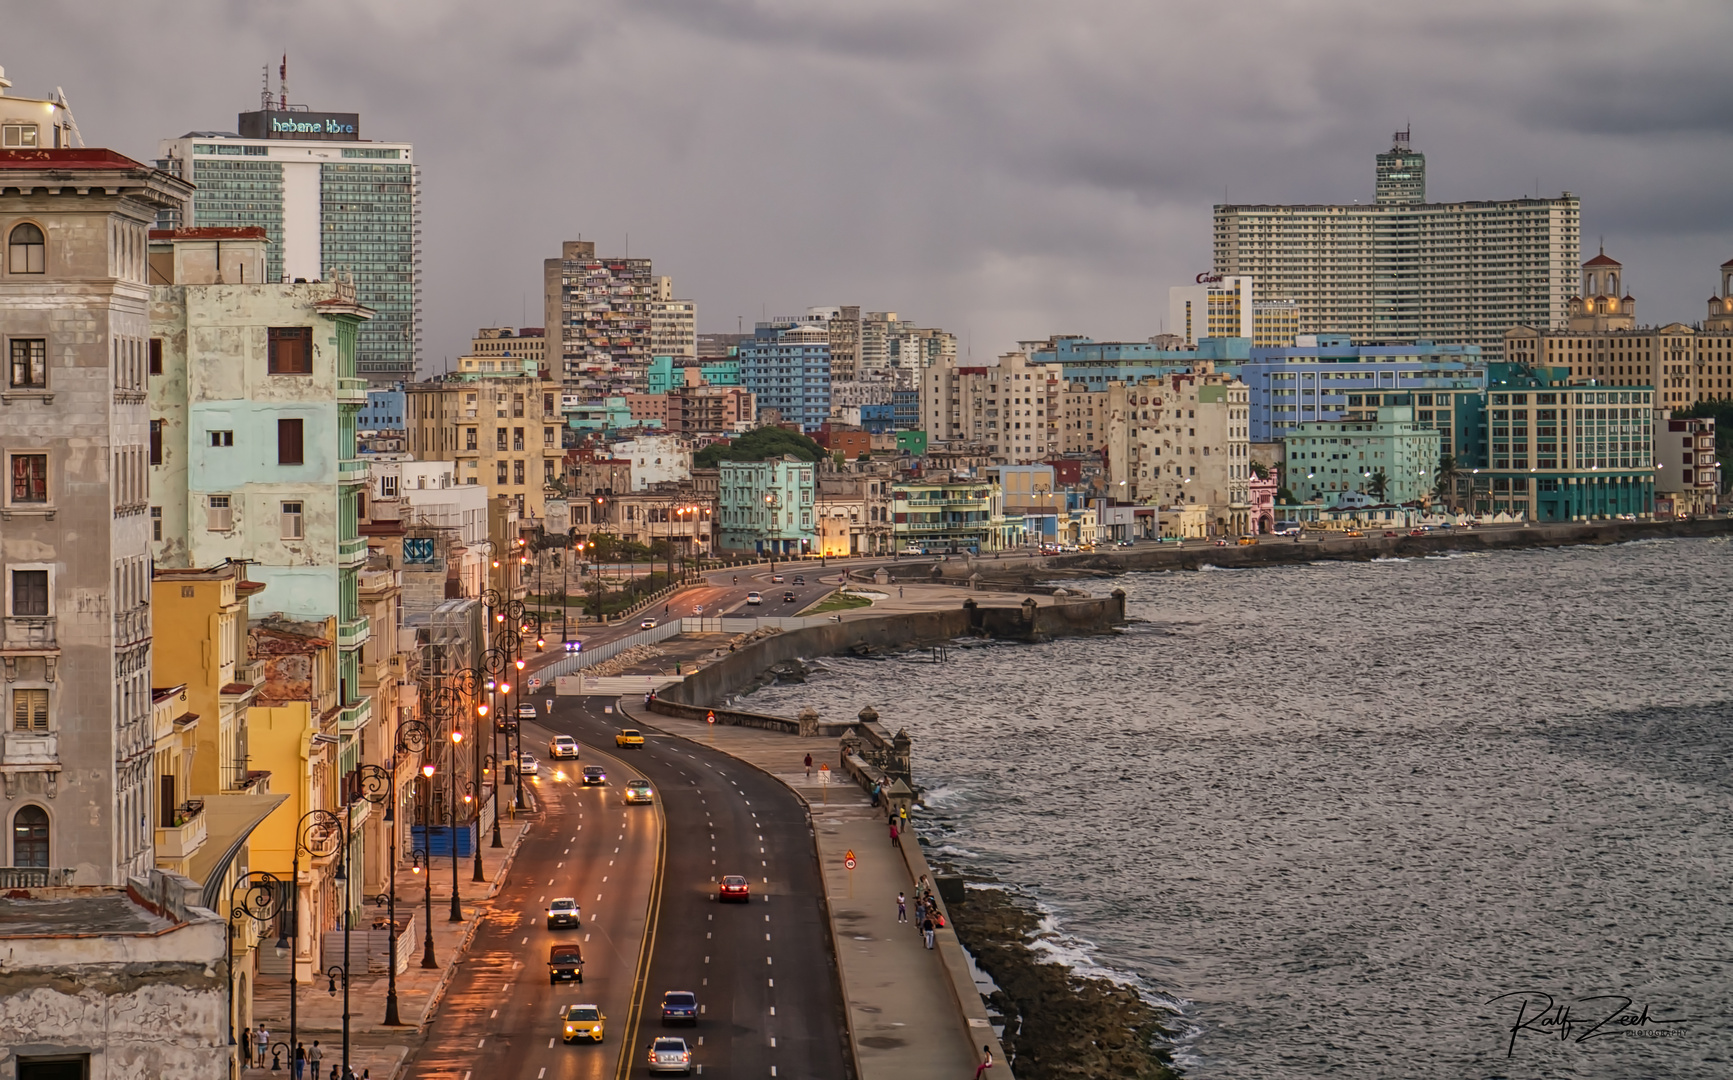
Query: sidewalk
[904,1020]
[372,1045]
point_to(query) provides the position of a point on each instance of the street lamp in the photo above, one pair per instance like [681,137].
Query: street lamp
[261,901]
[317,834]
[456,905]
[425,864]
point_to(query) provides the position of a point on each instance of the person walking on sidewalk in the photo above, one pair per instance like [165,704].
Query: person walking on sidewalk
[927,930]
[809,766]
[300,1061]
[902,908]
[986,1062]
[264,1038]
[313,1058]
[893,834]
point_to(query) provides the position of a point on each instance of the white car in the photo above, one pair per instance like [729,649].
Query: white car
[563,746]
[528,765]
[647,624]
[754,598]
[670,1054]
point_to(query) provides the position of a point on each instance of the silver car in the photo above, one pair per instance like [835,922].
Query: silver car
[670,1055]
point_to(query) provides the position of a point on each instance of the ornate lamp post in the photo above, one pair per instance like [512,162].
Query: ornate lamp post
[456,904]
[424,865]
[261,900]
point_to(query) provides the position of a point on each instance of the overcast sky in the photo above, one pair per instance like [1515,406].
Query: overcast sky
[1004,169]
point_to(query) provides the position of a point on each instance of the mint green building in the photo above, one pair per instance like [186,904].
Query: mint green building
[253,400]
[1327,459]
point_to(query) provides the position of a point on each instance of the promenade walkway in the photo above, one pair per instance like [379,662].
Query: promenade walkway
[375,1049]
[904,1017]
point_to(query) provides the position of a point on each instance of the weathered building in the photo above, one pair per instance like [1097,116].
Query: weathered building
[76,754]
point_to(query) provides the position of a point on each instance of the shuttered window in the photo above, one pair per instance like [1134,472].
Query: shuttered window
[30,710]
[289,444]
[291,350]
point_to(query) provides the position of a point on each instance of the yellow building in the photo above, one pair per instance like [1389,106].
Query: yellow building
[500,429]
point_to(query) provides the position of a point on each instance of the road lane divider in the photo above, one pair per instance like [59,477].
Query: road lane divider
[641,976]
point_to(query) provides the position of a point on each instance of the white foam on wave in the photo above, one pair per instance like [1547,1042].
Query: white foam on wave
[1212,568]
[1053,942]
[941,797]
[953,849]
[1390,558]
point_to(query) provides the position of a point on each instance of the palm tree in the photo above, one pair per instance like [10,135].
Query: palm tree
[1445,488]
[1380,485]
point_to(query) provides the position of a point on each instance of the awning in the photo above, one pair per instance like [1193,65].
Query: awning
[229,819]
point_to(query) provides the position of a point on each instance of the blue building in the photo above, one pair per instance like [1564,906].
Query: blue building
[787,365]
[383,411]
[1099,363]
[878,419]
[1326,377]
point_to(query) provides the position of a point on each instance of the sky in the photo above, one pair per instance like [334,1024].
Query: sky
[1004,169]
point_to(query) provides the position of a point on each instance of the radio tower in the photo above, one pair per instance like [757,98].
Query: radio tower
[283,85]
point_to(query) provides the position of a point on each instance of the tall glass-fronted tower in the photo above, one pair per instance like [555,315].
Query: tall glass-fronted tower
[330,201]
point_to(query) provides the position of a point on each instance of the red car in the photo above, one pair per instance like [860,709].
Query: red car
[734,887]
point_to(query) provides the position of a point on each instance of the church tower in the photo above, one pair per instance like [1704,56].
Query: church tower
[1600,308]
[1720,318]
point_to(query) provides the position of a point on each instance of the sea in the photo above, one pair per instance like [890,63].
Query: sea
[1456,816]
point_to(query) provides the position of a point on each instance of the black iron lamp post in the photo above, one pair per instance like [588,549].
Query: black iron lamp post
[261,900]
[318,834]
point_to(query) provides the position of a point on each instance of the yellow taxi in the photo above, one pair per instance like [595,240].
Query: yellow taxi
[629,737]
[1247,541]
[1354,534]
[581,1022]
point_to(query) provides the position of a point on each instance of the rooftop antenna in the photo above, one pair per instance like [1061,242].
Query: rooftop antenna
[265,94]
[283,84]
[60,100]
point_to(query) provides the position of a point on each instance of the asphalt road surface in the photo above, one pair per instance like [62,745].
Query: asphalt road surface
[763,971]
[499,1017]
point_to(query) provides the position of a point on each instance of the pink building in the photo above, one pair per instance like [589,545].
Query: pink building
[1261,495]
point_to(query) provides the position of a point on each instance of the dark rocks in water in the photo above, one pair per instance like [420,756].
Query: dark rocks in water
[1058,1024]
[791,672]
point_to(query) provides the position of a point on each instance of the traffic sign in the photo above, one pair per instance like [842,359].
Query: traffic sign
[710,717]
[824,774]
[849,862]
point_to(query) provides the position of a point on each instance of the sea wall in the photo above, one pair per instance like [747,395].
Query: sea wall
[714,684]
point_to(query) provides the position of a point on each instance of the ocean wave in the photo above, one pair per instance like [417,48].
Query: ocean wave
[1213,568]
[1391,558]
[1080,955]
[941,797]
[953,849]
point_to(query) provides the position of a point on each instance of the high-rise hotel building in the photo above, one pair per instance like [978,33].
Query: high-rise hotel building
[331,202]
[600,314]
[1401,269]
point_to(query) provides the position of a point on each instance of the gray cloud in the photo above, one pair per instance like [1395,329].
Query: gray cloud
[1004,169]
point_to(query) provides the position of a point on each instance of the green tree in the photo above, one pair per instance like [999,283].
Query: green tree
[1379,485]
[758,445]
[1444,485]
[1260,470]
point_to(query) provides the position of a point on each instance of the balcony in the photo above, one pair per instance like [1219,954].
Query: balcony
[30,633]
[132,627]
[356,716]
[36,877]
[30,750]
[352,391]
[352,635]
[182,840]
[351,471]
[352,552]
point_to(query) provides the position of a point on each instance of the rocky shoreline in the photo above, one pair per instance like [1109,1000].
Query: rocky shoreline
[1058,1024]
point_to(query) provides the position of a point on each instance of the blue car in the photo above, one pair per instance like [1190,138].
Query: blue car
[680,1007]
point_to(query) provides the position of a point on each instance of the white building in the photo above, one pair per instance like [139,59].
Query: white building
[1182,440]
[1007,402]
[673,323]
[329,200]
[1401,269]
[656,459]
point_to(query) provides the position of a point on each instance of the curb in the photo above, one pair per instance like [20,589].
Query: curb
[824,880]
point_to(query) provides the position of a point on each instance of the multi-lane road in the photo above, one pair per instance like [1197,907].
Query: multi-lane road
[764,971]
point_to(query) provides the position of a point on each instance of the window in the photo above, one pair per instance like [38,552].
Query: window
[222,438]
[291,521]
[218,515]
[29,363]
[18,137]
[548,436]
[499,439]
[30,711]
[156,442]
[290,350]
[30,844]
[289,442]
[25,250]
[156,356]
[547,404]
[469,438]
[388,487]
[501,473]
[517,471]
[30,592]
[156,523]
[29,478]
[517,438]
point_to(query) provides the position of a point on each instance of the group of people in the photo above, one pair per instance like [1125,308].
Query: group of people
[927,914]
[304,1063]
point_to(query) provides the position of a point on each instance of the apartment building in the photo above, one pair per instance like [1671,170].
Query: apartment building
[1008,403]
[1222,306]
[76,752]
[673,324]
[1402,269]
[1390,458]
[787,367]
[1183,440]
[598,318]
[525,343]
[951,515]
[501,430]
[767,506]
[1687,473]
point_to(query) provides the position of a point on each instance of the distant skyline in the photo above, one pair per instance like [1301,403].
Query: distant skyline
[1004,170]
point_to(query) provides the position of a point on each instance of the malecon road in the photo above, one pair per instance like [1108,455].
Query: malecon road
[499,1017]
[763,971]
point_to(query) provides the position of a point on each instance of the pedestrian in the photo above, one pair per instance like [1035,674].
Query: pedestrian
[875,795]
[299,1065]
[264,1038]
[903,813]
[809,766]
[902,909]
[313,1057]
[893,834]
[986,1062]
[899,592]
[927,931]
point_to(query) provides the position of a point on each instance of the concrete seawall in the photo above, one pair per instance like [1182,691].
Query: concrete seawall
[713,684]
